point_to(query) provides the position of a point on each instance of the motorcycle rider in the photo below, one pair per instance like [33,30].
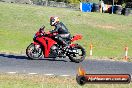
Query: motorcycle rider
[61,30]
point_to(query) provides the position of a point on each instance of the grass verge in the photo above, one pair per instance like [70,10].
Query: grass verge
[108,33]
[41,81]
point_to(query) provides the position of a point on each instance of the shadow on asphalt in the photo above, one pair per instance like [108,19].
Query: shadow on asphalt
[25,57]
[13,56]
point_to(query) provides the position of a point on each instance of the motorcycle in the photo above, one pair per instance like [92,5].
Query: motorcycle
[46,46]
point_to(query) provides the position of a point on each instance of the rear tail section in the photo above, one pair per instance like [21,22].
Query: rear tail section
[76,37]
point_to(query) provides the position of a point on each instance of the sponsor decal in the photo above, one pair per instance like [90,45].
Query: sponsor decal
[83,78]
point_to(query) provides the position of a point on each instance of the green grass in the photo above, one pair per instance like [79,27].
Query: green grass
[41,81]
[108,33]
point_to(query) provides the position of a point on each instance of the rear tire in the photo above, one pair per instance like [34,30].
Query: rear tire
[74,58]
[32,53]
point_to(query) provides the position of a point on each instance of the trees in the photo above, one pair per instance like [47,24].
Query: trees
[119,2]
[74,1]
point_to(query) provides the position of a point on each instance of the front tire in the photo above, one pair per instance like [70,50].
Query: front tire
[33,53]
[77,56]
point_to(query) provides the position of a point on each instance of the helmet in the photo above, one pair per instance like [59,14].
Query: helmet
[53,20]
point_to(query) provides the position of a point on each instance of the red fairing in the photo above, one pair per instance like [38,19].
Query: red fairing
[47,43]
[35,43]
[38,33]
[76,37]
[72,45]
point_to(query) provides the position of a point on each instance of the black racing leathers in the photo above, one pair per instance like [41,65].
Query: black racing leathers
[60,28]
[63,33]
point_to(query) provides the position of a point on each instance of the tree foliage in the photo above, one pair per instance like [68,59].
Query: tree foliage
[119,2]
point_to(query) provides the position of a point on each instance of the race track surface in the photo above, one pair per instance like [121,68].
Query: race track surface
[62,66]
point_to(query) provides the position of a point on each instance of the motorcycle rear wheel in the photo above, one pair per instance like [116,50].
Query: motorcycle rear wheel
[77,57]
[33,53]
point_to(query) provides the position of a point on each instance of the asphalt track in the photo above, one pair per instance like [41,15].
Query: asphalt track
[62,66]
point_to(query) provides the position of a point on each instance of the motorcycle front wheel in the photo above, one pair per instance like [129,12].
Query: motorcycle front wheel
[77,54]
[33,53]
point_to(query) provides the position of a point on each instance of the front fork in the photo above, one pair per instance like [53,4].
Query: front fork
[37,46]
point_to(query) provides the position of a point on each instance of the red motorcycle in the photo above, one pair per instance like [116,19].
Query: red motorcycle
[45,45]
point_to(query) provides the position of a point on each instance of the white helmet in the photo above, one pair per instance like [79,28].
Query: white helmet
[54,20]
